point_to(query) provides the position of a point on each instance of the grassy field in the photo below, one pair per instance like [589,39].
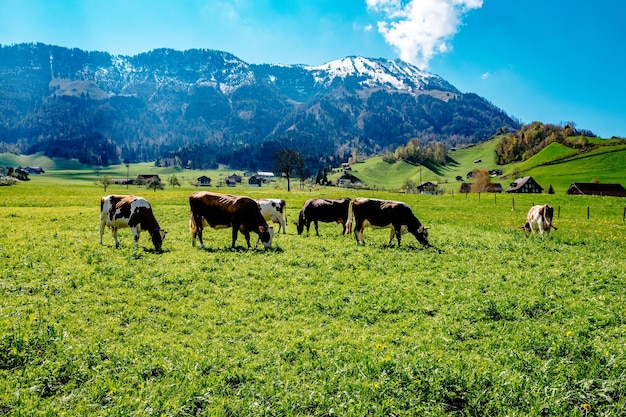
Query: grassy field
[486,323]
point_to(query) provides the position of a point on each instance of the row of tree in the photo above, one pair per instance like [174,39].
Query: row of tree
[532,138]
[413,152]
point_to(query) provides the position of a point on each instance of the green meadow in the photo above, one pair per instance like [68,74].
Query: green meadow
[485,323]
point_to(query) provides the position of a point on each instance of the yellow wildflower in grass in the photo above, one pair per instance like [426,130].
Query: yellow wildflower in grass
[586,408]
[568,333]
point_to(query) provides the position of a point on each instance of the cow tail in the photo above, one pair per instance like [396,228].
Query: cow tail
[349,221]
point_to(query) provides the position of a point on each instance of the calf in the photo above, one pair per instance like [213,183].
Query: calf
[119,211]
[274,209]
[323,210]
[539,219]
[384,213]
[219,211]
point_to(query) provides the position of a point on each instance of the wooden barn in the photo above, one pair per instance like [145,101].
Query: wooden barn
[524,185]
[590,188]
[203,181]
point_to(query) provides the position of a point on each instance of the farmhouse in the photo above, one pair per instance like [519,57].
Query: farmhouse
[428,187]
[349,180]
[255,181]
[590,188]
[494,187]
[203,181]
[524,185]
[145,178]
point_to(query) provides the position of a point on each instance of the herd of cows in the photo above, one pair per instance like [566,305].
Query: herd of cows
[245,215]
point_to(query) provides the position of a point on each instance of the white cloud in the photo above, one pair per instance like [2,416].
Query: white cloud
[485,75]
[420,29]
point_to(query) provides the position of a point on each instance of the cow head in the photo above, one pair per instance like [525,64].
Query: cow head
[157,235]
[422,235]
[266,235]
[300,223]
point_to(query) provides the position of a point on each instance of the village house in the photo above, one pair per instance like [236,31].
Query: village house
[428,187]
[590,188]
[255,181]
[203,181]
[349,180]
[524,185]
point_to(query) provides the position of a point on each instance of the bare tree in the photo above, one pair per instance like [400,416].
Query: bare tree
[104,181]
[289,162]
[482,181]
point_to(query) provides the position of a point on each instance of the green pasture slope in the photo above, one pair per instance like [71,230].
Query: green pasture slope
[556,165]
[486,323]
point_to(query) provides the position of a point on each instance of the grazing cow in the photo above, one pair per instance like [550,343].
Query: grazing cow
[383,213]
[222,210]
[119,211]
[539,219]
[274,209]
[323,210]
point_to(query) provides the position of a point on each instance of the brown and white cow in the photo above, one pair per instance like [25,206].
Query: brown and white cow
[384,213]
[223,210]
[120,211]
[323,210]
[274,209]
[539,219]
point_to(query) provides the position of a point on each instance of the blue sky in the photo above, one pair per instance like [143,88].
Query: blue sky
[554,61]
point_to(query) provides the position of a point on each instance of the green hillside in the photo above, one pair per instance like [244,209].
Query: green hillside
[556,165]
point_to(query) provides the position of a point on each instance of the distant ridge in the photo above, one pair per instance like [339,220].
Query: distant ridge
[198,108]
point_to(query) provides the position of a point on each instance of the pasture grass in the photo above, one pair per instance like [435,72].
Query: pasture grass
[487,322]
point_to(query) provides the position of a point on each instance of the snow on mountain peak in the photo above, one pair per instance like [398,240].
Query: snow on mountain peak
[372,72]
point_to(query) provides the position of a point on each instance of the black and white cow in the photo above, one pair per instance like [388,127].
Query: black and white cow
[220,211]
[539,219]
[120,211]
[323,210]
[385,213]
[273,209]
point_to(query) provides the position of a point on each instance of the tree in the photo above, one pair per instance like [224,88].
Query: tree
[288,162]
[154,183]
[482,181]
[173,181]
[104,181]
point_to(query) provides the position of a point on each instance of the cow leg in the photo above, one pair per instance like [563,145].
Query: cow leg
[235,231]
[197,232]
[101,233]
[393,232]
[114,233]
[317,230]
[281,226]
[136,232]
[246,234]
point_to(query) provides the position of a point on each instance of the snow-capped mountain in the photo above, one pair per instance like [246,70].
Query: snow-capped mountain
[201,107]
[396,74]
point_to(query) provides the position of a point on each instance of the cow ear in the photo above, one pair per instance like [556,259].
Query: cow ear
[262,229]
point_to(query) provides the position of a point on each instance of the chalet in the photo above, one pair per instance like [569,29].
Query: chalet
[234,177]
[524,185]
[203,181]
[145,178]
[265,176]
[590,188]
[428,187]
[495,187]
[349,180]
[122,181]
[231,182]
[255,181]
[34,170]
